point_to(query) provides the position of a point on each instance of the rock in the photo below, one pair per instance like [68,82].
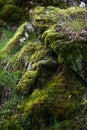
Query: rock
[53,64]
[82,4]
[30,28]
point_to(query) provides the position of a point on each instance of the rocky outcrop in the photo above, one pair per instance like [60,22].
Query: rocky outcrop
[49,56]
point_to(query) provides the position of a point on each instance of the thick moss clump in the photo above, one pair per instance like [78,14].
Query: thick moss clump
[27,83]
[43,18]
[37,102]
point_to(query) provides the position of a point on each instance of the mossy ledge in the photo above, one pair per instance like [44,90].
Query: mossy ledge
[44,69]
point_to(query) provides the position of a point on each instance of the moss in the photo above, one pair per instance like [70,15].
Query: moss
[14,45]
[12,122]
[36,98]
[76,12]
[26,53]
[27,82]
[66,93]
[59,100]
[69,35]
[16,14]
[43,18]
[51,36]
[22,58]
[75,57]
[37,102]
[48,90]
[36,77]
[66,24]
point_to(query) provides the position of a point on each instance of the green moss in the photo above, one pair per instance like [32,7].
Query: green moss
[13,12]
[72,11]
[12,122]
[47,90]
[59,100]
[14,45]
[43,18]
[36,98]
[51,36]
[26,53]
[68,37]
[27,82]
[75,57]
[67,92]
[37,102]
[37,76]
[21,59]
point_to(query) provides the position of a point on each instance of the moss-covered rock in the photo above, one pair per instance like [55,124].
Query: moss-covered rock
[68,35]
[60,100]
[14,43]
[22,59]
[76,58]
[43,18]
[73,45]
[23,34]
[51,92]
[41,63]
[27,83]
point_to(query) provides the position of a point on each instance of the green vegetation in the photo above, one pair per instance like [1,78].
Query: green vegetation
[5,35]
[14,43]
[43,71]
[11,14]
